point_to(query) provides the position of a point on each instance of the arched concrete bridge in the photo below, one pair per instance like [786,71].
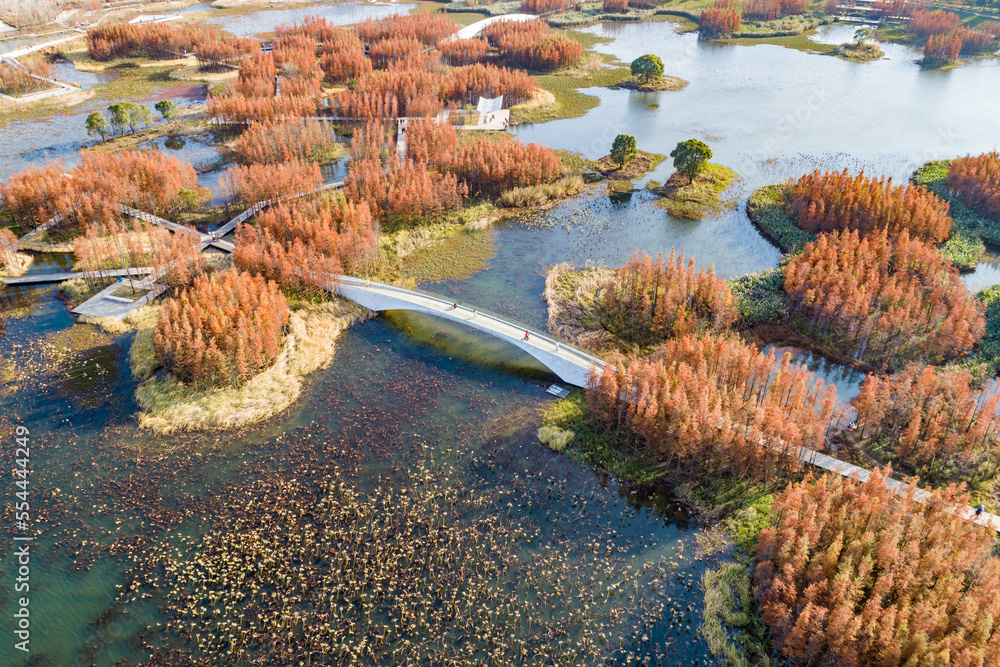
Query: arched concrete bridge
[571,365]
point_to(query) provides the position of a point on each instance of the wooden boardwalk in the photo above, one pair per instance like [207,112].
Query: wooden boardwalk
[58,277]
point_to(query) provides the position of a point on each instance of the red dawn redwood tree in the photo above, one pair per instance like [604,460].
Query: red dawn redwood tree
[223,330]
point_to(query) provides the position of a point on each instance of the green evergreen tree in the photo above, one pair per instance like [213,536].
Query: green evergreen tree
[624,150]
[647,65]
[690,157]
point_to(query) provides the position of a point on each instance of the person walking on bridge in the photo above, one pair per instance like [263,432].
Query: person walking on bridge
[526,335]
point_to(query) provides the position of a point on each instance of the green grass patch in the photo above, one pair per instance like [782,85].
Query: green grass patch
[760,298]
[732,626]
[984,360]
[699,198]
[963,251]
[454,247]
[142,355]
[458,256]
[933,175]
[567,100]
[799,42]
[766,209]
[589,447]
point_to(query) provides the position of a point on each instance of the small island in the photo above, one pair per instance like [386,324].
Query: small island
[648,77]
[860,50]
[626,162]
[694,190]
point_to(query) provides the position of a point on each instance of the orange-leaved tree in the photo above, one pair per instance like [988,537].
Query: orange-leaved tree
[223,330]
[881,300]
[855,574]
[649,300]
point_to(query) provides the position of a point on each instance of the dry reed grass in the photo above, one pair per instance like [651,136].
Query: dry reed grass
[170,405]
[571,296]
[18,267]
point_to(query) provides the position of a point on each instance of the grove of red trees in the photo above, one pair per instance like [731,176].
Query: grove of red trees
[546,6]
[831,201]
[895,8]
[648,300]
[161,41]
[147,180]
[427,28]
[532,45]
[712,405]
[975,181]
[283,141]
[943,48]
[854,574]
[303,244]
[15,81]
[926,23]
[615,6]
[134,243]
[458,52]
[255,183]
[241,110]
[398,193]
[932,420]
[223,330]
[722,19]
[885,301]
[768,10]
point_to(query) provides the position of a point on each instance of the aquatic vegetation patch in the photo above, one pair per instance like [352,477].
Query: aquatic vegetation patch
[430,570]
[555,438]
[543,194]
[760,298]
[732,625]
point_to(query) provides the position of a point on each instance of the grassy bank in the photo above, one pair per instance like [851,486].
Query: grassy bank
[699,198]
[18,266]
[766,210]
[967,227]
[170,405]
[573,311]
[566,427]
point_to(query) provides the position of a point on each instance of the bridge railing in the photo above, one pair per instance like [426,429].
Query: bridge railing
[447,304]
